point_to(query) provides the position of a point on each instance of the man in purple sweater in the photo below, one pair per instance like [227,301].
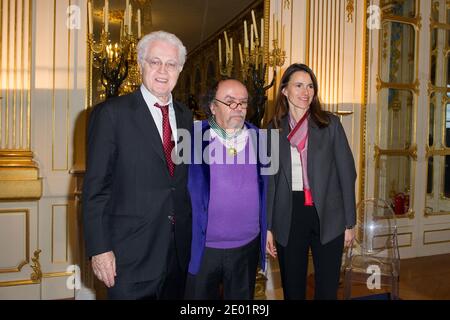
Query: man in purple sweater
[228,195]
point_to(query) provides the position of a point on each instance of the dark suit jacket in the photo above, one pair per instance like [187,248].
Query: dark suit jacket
[332,176]
[128,193]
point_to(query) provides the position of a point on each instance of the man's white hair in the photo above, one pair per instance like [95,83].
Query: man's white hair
[162,36]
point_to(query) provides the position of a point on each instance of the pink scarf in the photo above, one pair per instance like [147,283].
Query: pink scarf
[298,137]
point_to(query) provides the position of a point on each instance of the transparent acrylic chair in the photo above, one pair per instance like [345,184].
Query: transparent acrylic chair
[374,257]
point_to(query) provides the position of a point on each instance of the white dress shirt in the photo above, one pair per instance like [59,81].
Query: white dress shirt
[297,171]
[156,112]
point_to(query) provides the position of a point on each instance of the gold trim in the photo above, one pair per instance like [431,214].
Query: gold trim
[22,75]
[410,239]
[439,25]
[17,158]
[412,152]
[1,73]
[7,74]
[36,266]
[266,15]
[443,106]
[415,22]
[398,86]
[436,89]
[21,190]
[308,28]
[30,54]
[54,85]
[69,89]
[27,239]
[398,234]
[15,89]
[436,213]
[53,233]
[434,242]
[57,274]
[363,116]
[350,8]
[339,80]
[433,151]
[18,283]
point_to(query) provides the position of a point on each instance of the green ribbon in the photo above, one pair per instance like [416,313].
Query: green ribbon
[220,131]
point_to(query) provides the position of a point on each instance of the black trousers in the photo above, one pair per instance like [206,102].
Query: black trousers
[225,273]
[169,286]
[305,234]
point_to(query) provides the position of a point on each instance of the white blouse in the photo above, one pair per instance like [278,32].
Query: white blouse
[297,172]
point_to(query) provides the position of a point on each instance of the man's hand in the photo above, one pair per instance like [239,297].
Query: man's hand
[270,245]
[349,237]
[104,266]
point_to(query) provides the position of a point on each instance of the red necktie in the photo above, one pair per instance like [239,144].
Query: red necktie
[168,143]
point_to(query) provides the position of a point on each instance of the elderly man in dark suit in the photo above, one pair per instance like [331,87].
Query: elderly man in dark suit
[137,212]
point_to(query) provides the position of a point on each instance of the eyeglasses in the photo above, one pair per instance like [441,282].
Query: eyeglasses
[233,105]
[156,63]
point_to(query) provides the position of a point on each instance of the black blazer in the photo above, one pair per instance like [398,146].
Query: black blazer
[128,193]
[332,176]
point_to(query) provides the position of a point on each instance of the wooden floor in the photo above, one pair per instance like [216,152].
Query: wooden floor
[424,278]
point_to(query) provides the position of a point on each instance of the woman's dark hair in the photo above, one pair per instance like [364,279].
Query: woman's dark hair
[319,116]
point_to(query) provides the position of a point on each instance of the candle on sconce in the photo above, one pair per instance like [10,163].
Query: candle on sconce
[106,15]
[91,22]
[254,24]
[256,32]
[240,54]
[139,22]
[125,14]
[262,33]
[282,37]
[252,45]
[273,28]
[227,44]
[125,19]
[121,30]
[245,35]
[220,52]
[277,37]
[130,15]
[231,49]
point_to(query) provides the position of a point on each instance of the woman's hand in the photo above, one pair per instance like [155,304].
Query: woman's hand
[270,245]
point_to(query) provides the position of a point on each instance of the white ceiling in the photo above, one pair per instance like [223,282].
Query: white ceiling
[193,21]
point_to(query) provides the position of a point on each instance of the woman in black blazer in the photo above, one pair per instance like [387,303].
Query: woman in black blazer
[311,199]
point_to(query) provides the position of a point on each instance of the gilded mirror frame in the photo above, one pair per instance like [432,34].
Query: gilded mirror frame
[413,87]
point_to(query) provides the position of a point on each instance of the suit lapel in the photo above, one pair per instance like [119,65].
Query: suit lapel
[314,142]
[180,124]
[285,151]
[147,125]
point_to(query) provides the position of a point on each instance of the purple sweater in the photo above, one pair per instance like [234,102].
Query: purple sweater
[233,211]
